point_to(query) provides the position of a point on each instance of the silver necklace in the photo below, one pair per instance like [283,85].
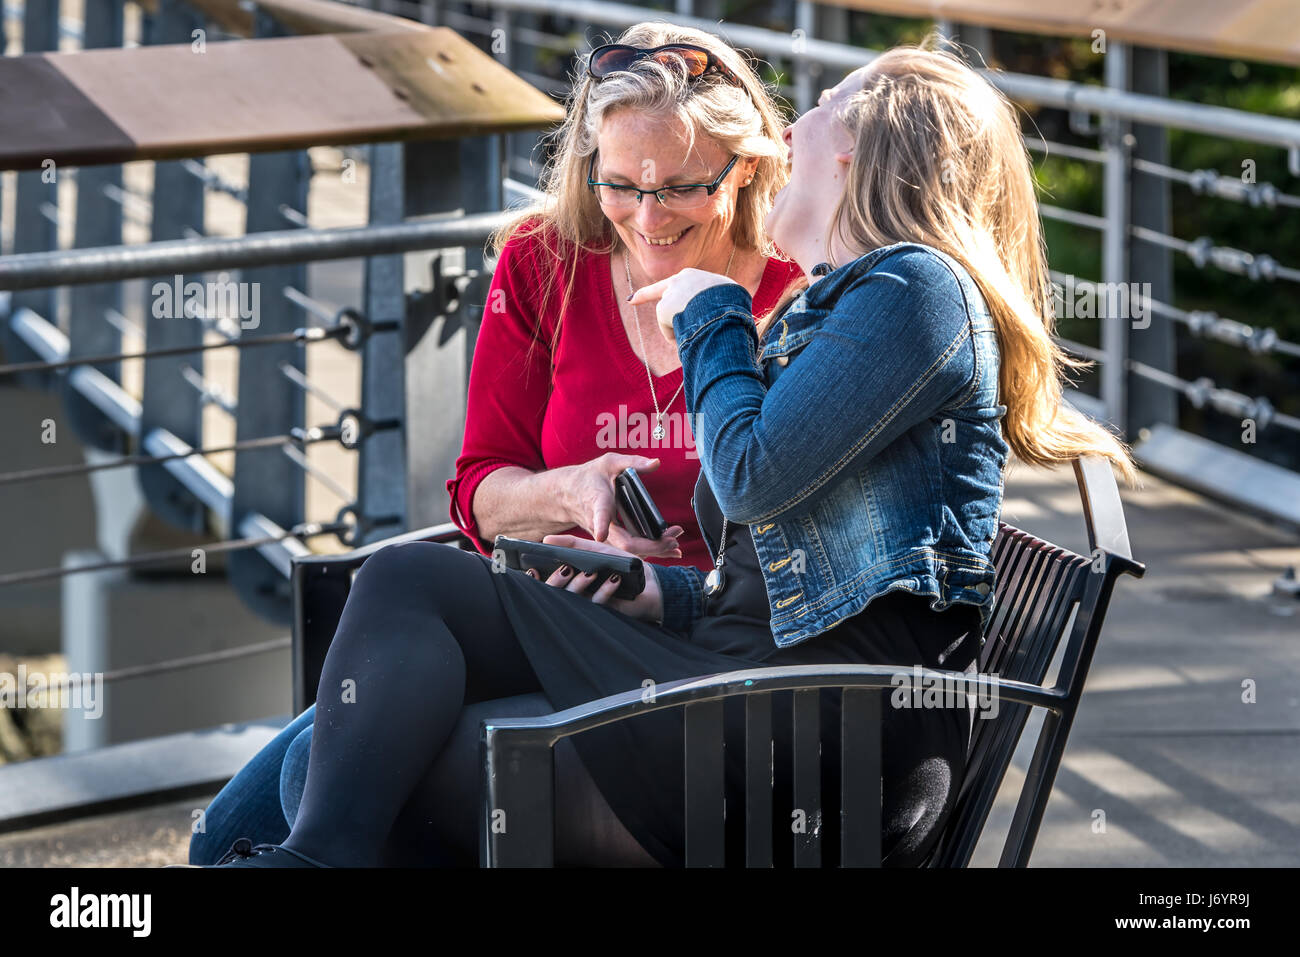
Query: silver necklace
[714,581]
[658,431]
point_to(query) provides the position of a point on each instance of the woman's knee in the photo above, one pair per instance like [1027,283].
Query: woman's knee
[248,806]
[293,774]
[425,576]
[396,567]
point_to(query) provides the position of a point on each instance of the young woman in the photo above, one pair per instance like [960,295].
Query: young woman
[852,459]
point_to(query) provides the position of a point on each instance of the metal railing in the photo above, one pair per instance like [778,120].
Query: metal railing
[258,510]
[1138,382]
[259,514]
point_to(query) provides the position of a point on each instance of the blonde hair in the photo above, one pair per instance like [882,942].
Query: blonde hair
[745,122]
[939,159]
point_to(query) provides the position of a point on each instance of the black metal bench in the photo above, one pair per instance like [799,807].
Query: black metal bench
[1045,594]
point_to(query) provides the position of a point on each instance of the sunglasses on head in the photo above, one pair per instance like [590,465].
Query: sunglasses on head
[619,57]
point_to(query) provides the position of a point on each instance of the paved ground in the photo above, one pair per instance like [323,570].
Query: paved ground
[1165,755]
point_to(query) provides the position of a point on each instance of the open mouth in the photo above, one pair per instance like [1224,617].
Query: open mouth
[661,242]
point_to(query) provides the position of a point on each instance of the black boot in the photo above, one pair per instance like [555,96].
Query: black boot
[243,853]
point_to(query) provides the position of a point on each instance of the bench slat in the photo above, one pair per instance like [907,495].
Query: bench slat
[860,713]
[758,780]
[808,778]
[705,785]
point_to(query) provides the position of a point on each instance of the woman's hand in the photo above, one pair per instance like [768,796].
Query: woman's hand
[672,295]
[647,606]
[590,491]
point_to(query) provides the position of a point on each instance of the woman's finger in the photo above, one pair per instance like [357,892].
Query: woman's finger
[652,292]
[560,577]
[580,582]
[605,592]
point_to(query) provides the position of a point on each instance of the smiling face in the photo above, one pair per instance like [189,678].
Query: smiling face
[649,152]
[820,149]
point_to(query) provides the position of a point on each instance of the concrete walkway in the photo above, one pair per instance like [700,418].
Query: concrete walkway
[1167,765]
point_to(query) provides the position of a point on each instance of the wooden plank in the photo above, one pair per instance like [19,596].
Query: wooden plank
[1263,30]
[302,16]
[166,102]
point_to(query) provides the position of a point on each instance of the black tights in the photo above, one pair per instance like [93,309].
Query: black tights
[422,654]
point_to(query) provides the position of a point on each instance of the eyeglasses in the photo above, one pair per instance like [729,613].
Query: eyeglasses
[619,57]
[686,196]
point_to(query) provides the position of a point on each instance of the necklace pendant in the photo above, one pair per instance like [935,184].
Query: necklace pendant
[659,432]
[713,582]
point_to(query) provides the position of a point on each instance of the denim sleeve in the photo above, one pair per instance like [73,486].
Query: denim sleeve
[682,587]
[894,349]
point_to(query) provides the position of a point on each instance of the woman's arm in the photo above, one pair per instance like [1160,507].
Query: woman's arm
[519,503]
[509,385]
[889,354]
[524,504]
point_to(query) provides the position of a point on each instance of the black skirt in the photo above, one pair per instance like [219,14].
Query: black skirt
[581,652]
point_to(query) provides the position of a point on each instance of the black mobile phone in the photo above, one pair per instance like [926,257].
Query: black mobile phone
[635,506]
[545,559]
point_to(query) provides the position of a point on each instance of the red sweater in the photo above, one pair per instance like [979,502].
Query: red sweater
[596,399]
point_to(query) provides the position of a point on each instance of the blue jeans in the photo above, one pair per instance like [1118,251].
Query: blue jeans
[261,801]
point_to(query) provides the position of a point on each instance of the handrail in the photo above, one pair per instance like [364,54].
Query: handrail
[1062,94]
[114,263]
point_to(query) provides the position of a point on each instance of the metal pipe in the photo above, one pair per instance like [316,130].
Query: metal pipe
[115,263]
[312,306]
[300,380]
[1071,216]
[1063,94]
[300,460]
[1114,250]
[209,394]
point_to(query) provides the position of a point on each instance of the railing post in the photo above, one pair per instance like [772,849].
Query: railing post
[168,402]
[446,178]
[805,71]
[266,482]
[1151,339]
[381,462]
[98,223]
[1114,258]
[36,196]
[4,45]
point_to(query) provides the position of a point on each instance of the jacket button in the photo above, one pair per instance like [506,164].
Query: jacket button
[783,360]
[983,588]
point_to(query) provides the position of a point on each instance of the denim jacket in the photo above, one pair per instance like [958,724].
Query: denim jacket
[860,440]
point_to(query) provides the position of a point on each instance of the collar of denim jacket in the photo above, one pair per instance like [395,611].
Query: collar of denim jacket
[830,285]
[798,322]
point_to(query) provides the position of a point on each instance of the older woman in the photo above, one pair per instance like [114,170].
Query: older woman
[670,158]
[657,169]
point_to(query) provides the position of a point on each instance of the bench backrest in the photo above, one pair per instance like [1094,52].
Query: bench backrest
[1038,589]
